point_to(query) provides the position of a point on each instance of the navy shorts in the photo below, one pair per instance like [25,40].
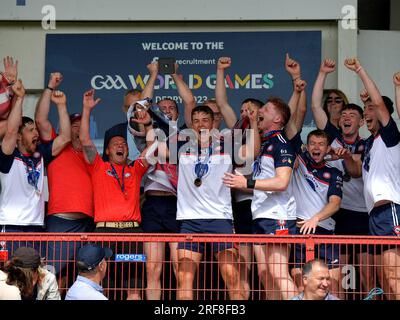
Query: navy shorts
[60,253]
[326,252]
[159,214]
[242,217]
[120,274]
[384,221]
[222,226]
[351,223]
[273,226]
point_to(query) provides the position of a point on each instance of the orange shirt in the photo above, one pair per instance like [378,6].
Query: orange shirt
[110,203]
[70,187]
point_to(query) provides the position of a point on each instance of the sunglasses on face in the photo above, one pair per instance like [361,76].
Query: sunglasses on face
[336,100]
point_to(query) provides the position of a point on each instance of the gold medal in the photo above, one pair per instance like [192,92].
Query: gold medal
[197,182]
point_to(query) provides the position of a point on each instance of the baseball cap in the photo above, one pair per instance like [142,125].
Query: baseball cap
[26,257]
[74,117]
[91,255]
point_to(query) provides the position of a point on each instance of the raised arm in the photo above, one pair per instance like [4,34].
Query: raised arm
[43,107]
[64,136]
[14,119]
[373,91]
[88,147]
[396,81]
[220,92]
[10,69]
[148,90]
[251,148]
[186,94]
[298,109]
[320,117]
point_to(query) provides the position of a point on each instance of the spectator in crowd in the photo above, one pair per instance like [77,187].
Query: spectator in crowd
[159,208]
[70,206]
[7,79]
[34,283]
[335,99]
[352,218]
[241,200]
[22,163]
[316,282]
[380,169]
[92,267]
[116,189]
[137,143]
[7,291]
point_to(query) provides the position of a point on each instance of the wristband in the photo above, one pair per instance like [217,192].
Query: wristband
[51,89]
[251,183]
[296,78]
[358,69]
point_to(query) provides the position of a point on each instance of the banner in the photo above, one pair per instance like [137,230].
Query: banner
[114,63]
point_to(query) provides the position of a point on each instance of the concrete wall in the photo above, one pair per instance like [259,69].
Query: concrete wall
[176,10]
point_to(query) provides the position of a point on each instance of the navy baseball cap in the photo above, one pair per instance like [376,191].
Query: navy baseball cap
[91,255]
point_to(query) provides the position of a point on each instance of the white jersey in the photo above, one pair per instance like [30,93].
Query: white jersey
[22,200]
[381,166]
[353,188]
[211,199]
[313,184]
[275,152]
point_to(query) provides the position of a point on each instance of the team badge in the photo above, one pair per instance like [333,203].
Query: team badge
[396,230]
[269,149]
[326,175]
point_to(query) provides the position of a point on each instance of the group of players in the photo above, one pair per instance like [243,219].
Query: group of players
[335,183]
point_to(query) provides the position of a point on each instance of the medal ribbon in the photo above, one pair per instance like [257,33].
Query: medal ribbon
[201,167]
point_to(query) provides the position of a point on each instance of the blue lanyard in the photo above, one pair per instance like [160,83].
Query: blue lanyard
[115,175]
[32,174]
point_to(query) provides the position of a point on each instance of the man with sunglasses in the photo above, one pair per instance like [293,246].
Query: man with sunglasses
[22,163]
[352,219]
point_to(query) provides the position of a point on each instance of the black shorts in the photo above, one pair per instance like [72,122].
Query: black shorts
[384,221]
[242,217]
[122,274]
[159,214]
[329,253]
[351,223]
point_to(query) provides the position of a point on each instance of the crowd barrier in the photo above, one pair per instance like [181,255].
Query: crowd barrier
[358,271]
